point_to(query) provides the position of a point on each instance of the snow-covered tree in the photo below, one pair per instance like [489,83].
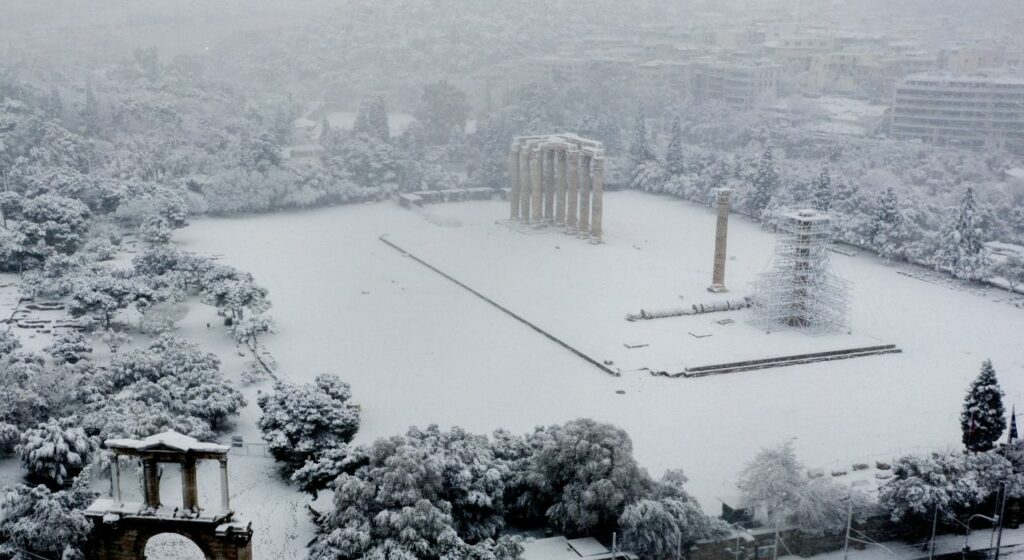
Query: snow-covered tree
[1010,269]
[773,482]
[589,475]
[36,522]
[821,191]
[102,293]
[823,505]
[427,494]
[922,483]
[302,422]
[155,230]
[640,144]
[962,250]
[983,418]
[764,185]
[655,526]
[176,375]
[69,346]
[53,454]
[675,159]
[443,110]
[650,530]
[372,120]
[248,330]
[890,236]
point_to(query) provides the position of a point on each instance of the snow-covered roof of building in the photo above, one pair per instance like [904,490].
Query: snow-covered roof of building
[167,440]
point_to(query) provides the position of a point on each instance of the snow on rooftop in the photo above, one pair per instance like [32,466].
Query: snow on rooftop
[171,439]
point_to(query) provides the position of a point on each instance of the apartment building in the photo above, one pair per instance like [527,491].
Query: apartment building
[974,110]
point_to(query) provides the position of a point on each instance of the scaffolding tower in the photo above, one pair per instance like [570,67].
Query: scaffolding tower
[800,289]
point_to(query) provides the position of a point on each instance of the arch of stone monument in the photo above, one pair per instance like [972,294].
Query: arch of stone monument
[558,180]
[172,546]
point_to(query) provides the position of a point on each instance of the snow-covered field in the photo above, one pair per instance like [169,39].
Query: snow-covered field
[419,349]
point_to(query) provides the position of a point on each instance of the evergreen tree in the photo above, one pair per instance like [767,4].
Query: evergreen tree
[821,191]
[325,130]
[890,230]
[766,183]
[90,112]
[54,105]
[639,146]
[983,418]
[379,119]
[675,162]
[962,250]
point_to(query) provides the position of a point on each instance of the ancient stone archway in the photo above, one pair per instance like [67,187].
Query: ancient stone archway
[122,530]
[172,546]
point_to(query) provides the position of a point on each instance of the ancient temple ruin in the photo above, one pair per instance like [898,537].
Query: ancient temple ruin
[800,289]
[121,529]
[558,180]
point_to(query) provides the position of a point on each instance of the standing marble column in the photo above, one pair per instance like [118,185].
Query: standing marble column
[524,184]
[513,192]
[536,186]
[596,207]
[584,222]
[574,195]
[721,236]
[562,166]
[549,186]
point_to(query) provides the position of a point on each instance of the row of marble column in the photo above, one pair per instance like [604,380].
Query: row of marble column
[151,483]
[559,185]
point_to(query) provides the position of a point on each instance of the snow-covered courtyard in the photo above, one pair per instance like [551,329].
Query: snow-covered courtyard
[419,349]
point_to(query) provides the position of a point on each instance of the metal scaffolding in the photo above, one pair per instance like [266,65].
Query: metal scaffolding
[800,289]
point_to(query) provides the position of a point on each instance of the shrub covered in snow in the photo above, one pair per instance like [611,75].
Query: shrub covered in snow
[922,483]
[43,523]
[69,346]
[53,454]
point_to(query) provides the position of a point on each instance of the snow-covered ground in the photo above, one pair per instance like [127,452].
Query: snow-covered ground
[419,349]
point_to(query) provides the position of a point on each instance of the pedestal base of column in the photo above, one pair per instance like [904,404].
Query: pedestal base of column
[583,235]
[537,224]
[596,240]
[717,289]
[570,231]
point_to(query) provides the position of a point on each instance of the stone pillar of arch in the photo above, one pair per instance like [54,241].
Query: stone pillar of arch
[513,173]
[598,196]
[572,210]
[536,186]
[563,182]
[583,225]
[189,485]
[524,184]
[549,185]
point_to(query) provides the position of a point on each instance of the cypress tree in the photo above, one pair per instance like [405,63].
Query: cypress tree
[639,146]
[766,183]
[962,251]
[983,419]
[674,160]
[821,191]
